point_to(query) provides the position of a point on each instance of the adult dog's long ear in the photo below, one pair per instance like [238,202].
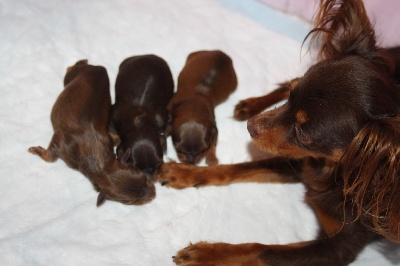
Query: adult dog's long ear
[342,27]
[371,172]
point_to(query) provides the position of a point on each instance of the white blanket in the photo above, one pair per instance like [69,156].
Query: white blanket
[48,214]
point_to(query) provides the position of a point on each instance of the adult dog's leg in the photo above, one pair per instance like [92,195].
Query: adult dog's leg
[274,170]
[340,249]
[248,108]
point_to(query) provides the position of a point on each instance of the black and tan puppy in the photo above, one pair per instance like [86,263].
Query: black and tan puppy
[143,89]
[207,80]
[80,119]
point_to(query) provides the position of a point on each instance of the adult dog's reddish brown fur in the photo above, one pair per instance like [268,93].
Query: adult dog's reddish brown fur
[338,133]
[143,89]
[207,79]
[80,120]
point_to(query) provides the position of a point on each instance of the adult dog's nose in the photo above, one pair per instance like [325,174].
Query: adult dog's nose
[252,128]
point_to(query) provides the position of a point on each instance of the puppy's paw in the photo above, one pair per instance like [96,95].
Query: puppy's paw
[37,150]
[47,155]
[211,159]
[179,175]
[42,153]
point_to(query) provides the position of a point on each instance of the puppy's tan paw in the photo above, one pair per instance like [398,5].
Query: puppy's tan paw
[37,150]
[211,159]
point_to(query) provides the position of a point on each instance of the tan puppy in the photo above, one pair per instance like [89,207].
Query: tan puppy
[207,80]
[80,120]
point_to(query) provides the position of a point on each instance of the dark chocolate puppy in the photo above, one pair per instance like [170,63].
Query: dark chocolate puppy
[143,89]
[80,119]
[207,80]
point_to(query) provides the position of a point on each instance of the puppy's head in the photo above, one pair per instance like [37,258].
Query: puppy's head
[345,108]
[193,139]
[146,143]
[126,184]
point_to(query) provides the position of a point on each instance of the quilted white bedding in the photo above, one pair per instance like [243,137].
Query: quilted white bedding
[48,213]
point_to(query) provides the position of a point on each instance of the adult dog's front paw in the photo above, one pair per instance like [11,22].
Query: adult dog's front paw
[244,110]
[219,254]
[200,254]
[180,175]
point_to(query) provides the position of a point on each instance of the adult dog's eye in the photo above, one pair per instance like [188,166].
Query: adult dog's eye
[301,136]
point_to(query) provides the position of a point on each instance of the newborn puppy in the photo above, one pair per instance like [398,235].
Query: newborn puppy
[207,80]
[80,119]
[143,89]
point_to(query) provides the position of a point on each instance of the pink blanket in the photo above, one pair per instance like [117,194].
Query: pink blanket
[384,14]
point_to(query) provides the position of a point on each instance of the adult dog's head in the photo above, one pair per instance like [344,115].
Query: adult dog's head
[346,109]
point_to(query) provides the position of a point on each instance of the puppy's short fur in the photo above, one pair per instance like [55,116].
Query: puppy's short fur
[207,80]
[143,89]
[338,133]
[80,120]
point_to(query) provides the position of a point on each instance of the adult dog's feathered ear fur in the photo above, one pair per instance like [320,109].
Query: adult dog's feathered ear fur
[371,168]
[342,27]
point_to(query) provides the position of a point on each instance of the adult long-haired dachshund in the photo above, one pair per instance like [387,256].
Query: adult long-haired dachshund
[207,79]
[338,133]
[143,89]
[80,119]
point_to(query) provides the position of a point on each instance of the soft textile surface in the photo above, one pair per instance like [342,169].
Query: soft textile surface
[384,14]
[47,211]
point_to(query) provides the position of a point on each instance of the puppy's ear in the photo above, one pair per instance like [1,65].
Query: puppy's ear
[168,127]
[101,198]
[116,140]
[163,142]
[371,168]
[211,156]
[124,157]
[342,27]
[213,132]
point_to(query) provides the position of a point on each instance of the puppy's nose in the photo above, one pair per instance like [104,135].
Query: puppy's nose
[191,157]
[251,128]
[151,172]
[149,190]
